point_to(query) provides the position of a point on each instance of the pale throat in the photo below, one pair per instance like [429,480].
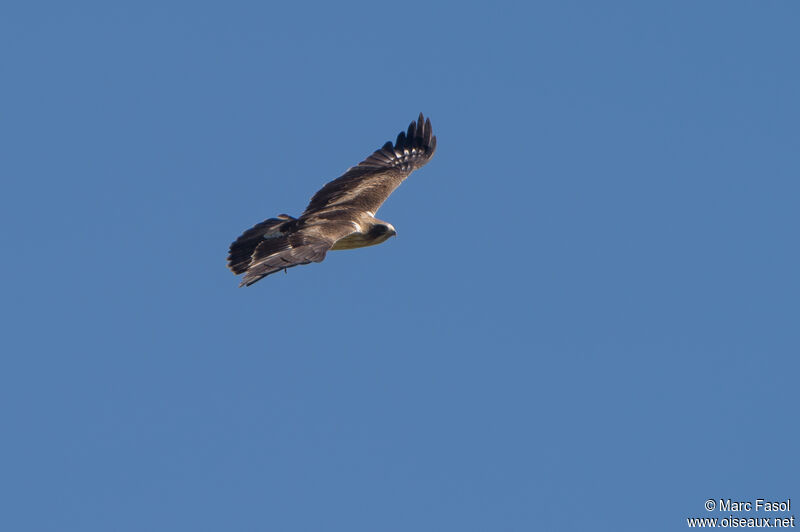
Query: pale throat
[377,234]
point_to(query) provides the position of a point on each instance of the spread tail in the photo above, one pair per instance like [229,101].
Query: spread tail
[270,234]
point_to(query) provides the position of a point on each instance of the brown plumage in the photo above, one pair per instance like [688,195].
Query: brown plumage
[340,216]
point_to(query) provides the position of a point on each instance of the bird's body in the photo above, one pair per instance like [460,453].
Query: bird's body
[340,216]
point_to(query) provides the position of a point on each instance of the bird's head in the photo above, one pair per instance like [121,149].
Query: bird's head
[382,231]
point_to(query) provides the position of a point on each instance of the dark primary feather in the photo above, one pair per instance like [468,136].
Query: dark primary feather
[367,185]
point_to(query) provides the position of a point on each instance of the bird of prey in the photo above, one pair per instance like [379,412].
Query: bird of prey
[340,216]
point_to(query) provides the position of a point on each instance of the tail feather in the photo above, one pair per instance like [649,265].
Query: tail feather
[266,237]
[293,254]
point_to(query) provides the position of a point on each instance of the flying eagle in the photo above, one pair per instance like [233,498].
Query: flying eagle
[340,216]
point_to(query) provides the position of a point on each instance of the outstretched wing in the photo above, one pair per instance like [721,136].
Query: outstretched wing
[366,186]
[280,243]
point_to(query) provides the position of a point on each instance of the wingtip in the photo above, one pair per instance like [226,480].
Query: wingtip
[420,132]
[417,143]
[411,134]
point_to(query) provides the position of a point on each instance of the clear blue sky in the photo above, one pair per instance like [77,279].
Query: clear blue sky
[588,321]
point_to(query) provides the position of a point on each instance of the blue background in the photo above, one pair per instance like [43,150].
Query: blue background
[588,321]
